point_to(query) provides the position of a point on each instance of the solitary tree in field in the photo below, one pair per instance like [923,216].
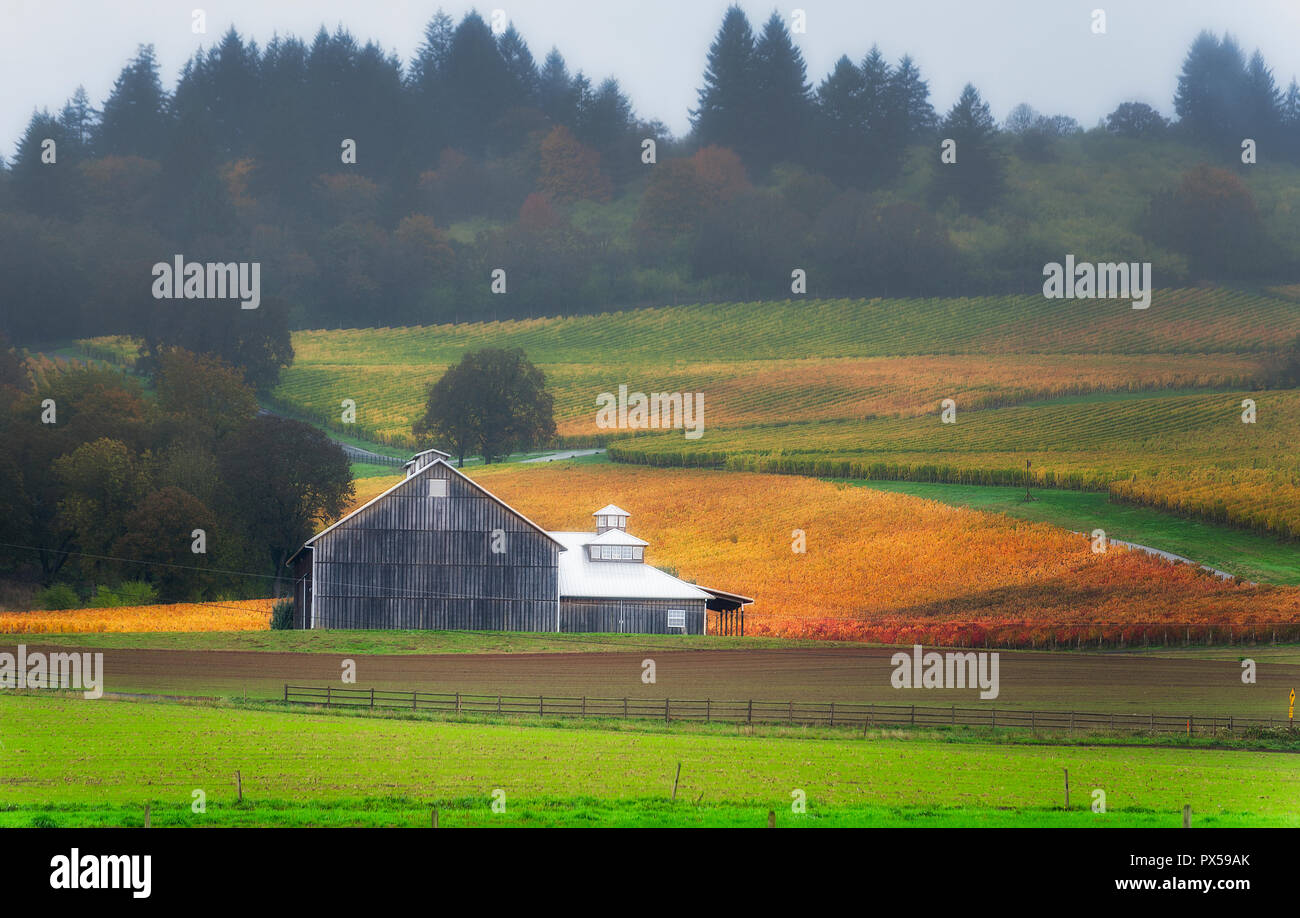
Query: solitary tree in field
[494,401]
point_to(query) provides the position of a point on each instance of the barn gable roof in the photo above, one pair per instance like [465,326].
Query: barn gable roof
[420,475]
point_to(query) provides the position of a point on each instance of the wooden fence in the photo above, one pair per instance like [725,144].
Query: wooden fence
[833,714]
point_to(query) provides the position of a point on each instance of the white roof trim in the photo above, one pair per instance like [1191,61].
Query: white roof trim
[411,478]
[616,537]
[723,594]
[611,510]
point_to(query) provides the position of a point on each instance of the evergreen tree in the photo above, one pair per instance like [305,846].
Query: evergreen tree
[555,91]
[840,132]
[478,85]
[431,56]
[233,92]
[1291,121]
[911,97]
[882,119]
[1211,100]
[977,177]
[375,106]
[520,65]
[135,118]
[729,107]
[425,85]
[1263,105]
[283,133]
[780,81]
[606,116]
[45,188]
[606,125]
[79,119]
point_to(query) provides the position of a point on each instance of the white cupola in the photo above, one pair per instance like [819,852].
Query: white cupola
[610,517]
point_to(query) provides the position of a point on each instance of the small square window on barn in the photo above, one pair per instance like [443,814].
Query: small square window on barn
[437,487]
[677,618]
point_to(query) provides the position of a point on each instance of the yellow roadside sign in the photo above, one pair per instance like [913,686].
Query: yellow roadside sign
[1290,714]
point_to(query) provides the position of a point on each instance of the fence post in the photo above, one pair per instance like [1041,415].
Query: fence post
[286,693]
[749,716]
[832,713]
[1067,788]
[414,695]
[625,706]
[584,705]
[791,716]
[913,715]
[1187,815]
[372,699]
[541,706]
[239,785]
[708,710]
[498,704]
[676,778]
[328,689]
[666,717]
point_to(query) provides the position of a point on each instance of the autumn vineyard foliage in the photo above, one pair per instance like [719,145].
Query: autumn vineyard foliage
[1145,405]
[851,359]
[1188,453]
[239,615]
[897,569]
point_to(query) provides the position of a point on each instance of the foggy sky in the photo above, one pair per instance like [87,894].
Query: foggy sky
[1038,51]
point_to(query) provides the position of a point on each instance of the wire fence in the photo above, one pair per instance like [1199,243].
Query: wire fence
[751,711]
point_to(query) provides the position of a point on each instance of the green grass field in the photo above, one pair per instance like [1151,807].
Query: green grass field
[71,762]
[411,642]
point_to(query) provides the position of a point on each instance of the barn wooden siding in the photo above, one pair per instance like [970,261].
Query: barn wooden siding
[302,590]
[416,561]
[629,616]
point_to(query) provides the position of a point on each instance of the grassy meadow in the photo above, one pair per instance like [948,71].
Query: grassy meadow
[70,762]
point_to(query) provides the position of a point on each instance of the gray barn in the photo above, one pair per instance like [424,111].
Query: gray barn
[438,551]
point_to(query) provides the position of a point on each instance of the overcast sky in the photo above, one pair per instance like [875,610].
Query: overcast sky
[1038,51]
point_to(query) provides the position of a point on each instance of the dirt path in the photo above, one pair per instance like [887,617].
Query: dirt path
[1041,681]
